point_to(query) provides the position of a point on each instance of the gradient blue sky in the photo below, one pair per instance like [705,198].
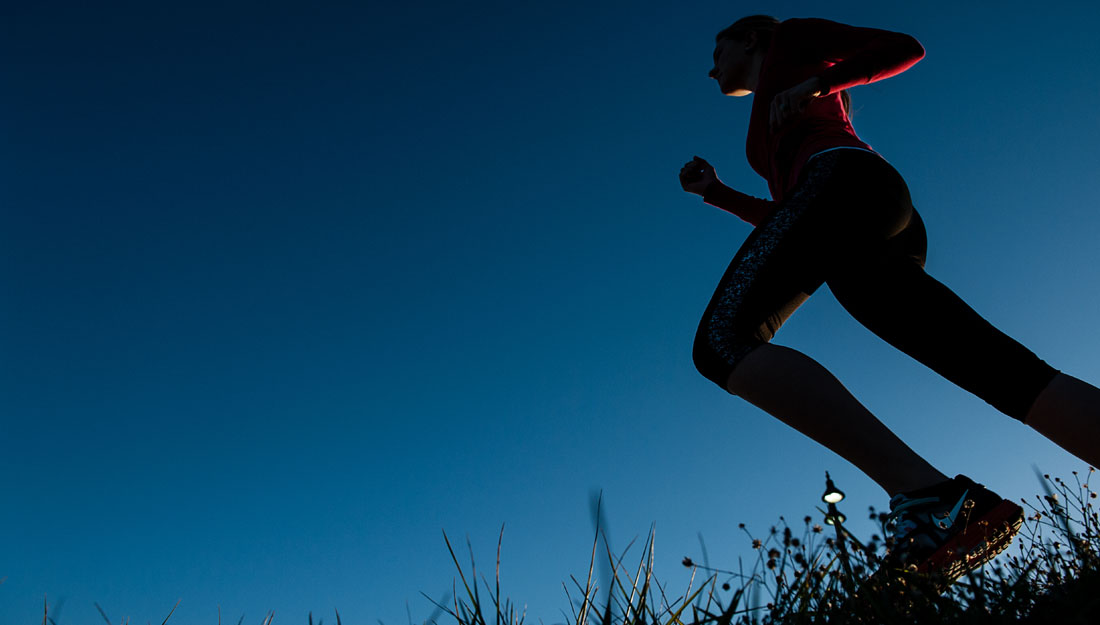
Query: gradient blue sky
[286,289]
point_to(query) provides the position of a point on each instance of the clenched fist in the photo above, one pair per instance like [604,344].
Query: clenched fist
[696,175]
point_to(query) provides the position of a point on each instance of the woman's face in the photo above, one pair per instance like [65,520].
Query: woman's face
[731,66]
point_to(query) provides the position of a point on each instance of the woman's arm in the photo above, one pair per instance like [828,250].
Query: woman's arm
[857,56]
[698,176]
[749,208]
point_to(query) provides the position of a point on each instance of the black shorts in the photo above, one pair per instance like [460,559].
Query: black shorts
[850,223]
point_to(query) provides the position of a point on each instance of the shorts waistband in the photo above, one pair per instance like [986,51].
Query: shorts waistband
[843,147]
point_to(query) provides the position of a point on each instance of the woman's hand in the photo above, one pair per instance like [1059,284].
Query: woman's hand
[793,101]
[696,175]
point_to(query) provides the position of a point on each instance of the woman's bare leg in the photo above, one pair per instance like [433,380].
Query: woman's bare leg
[1068,413]
[798,391]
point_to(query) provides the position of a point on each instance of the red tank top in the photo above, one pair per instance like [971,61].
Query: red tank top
[841,56]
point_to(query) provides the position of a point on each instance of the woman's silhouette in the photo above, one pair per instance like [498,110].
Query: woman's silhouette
[842,215]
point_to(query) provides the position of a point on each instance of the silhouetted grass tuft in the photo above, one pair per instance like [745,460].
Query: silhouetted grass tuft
[820,574]
[825,574]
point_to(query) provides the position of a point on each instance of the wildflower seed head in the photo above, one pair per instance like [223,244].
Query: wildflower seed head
[756,544]
[687,562]
[773,553]
[726,586]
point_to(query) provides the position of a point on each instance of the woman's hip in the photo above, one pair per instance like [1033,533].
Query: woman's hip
[853,193]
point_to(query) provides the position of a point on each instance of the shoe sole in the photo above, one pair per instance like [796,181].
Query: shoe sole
[978,543]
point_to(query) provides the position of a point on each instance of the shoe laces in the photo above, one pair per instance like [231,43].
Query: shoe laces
[900,521]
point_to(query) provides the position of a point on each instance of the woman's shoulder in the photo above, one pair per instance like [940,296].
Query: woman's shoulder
[803,38]
[803,23]
[797,28]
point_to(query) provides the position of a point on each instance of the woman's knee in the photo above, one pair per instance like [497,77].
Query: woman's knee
[717,355]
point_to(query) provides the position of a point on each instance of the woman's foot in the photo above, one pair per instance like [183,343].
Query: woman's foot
[949,528]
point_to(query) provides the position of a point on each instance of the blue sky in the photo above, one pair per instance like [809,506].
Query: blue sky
[286,290]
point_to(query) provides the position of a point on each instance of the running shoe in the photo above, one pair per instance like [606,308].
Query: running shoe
[949,529]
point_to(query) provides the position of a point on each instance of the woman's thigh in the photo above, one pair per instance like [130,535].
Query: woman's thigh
[889,292]
[844,202]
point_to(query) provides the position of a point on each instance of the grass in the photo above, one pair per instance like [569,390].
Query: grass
[824,574]
[267,620]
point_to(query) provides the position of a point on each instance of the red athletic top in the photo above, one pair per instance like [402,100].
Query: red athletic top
[841,56]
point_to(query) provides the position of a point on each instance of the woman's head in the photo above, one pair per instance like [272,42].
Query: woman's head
[741,44]
[762,25]
[739,52]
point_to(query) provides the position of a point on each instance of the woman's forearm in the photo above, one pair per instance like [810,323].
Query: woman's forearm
[749,208]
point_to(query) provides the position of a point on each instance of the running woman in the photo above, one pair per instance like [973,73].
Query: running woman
[842,215]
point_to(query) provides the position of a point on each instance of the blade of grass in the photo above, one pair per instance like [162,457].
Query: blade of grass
[496,598]
[675,616]
[101,613]
[586,602]
[471,594]
[172,610]
[478,615]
